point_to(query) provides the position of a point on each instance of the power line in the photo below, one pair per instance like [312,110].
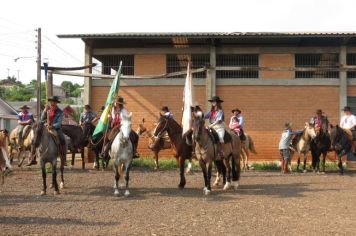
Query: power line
[63,49]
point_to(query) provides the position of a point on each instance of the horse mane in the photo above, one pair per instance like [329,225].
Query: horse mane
[175,125]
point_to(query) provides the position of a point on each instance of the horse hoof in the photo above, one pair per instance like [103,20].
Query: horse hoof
[181,187]
[235,184]
[43,193]
[56,192]
[127,193]
[206,192]
[61,185]
[227,186]
[116,193]
[304,171]
[51,186]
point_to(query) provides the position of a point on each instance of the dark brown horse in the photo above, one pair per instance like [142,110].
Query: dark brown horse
[77,141]
[183,150]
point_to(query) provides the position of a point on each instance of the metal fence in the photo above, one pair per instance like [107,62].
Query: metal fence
[351,61]
[323,62]
[234,60]
[109,64]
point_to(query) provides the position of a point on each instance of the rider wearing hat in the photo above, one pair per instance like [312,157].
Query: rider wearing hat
[117,111]
[165,112]
[237,123]
[87,120]
[348,122]
[216,120]
[319,119]
[24,118]
[52,115]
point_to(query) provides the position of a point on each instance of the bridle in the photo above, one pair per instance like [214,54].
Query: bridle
[163,129]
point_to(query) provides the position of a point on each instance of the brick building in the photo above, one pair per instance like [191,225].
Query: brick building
[271,77]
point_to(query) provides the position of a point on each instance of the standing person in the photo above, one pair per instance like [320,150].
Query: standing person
[117,111]
[348,123]
[284,145]
[24,119]
[240,123]
[86,120]
[54,121]
[216,120]
[68,116]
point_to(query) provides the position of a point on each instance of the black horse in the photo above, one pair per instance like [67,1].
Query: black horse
[81,138]
[341,143]
[321,144]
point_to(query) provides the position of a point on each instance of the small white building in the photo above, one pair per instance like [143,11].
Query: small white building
[8,116]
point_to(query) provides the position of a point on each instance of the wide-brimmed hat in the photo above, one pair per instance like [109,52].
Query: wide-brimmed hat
[120,100]
[54,99]
[347,108]
[215,99]
[24,107]
[288,125]
[164,108]
[236,109]
[319,111]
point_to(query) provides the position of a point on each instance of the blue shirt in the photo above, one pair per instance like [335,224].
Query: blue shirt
[24,117]
[219,116]
[87,117]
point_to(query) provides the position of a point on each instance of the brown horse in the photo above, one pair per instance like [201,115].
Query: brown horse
[156,144]
[27,142]
[247,146]
[4,156]
[175,133]
[206,151]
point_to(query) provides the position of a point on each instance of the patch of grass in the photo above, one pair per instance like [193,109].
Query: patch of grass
[164,164]
[275,166]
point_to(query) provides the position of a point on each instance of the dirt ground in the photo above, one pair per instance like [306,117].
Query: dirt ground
[266,203]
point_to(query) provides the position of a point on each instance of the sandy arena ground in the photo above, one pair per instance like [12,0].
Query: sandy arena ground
[266,203]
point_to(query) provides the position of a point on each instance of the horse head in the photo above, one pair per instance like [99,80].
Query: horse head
[162,126]
[310,131]
[198,125]
[125,128]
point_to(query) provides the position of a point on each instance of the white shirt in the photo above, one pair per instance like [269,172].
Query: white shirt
[348,122]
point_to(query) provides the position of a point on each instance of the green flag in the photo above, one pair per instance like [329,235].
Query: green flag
[103,122]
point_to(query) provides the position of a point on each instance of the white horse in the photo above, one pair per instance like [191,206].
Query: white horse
[122,153]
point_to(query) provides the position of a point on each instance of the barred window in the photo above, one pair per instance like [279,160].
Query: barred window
[179,62]
[319,61]
[110,64]
[351,61]
[243,60]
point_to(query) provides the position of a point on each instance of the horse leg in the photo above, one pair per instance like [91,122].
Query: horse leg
[54,177]
[156,159]
[117,177]
[298,162]
[43,169]
[181,173]
[205,175]
[209,167]
[73,158]
[324,159]
[127,178]
[305,163]
[19,156]
[82,156]
[340,164]
[228,173]
[61,185]
[219,167]
[189,167]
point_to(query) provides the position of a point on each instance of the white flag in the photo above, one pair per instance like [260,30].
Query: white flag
[188,99]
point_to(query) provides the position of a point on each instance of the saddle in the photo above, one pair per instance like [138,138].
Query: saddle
[215,137]
[26,131]
[54,135]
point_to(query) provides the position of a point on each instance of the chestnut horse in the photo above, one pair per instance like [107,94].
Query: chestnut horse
[175,133]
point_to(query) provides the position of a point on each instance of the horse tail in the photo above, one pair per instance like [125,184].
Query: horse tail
[251,145]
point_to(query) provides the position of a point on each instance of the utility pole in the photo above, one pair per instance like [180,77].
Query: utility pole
[38,73]
[18,75]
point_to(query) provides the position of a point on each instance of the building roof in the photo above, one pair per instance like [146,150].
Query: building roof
[207,34]
[6,108]
[32,105]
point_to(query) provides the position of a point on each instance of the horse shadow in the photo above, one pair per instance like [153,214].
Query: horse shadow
[30,220]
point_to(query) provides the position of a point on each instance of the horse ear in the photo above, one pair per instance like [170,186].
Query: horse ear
[331,126]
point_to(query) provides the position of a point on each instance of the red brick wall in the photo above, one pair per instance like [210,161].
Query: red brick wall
[351,91]
[277,60]
[265,108]
[146,102]
[150,64]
